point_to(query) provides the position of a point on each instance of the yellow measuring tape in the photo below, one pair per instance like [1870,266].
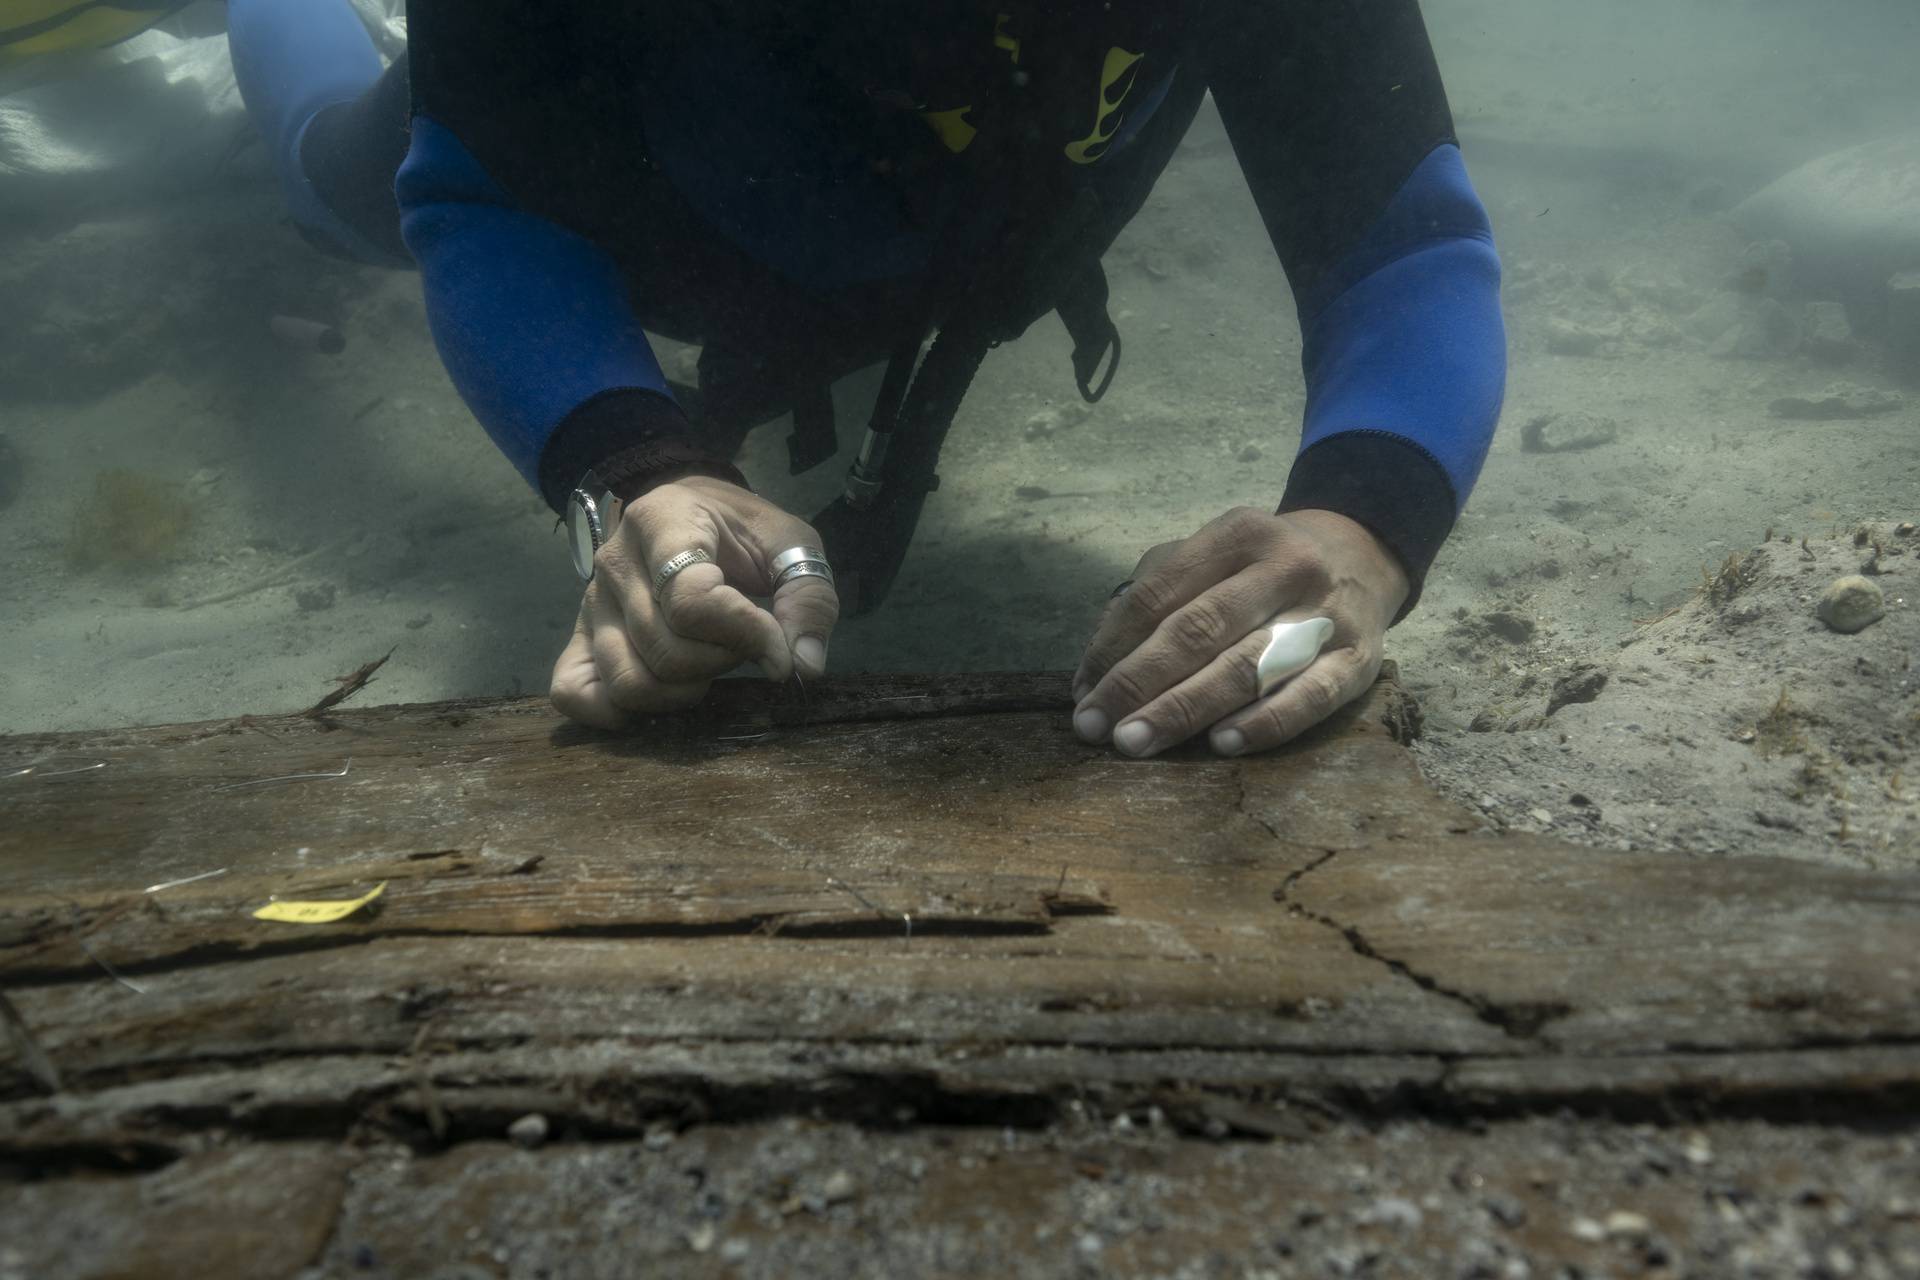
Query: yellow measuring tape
[316,912]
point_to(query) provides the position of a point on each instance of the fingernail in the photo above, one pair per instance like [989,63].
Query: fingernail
[1134,737]
[1229,742]
[1091,724]
[811,653]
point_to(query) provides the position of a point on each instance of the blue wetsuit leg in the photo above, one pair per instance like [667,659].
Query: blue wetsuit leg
[292,58]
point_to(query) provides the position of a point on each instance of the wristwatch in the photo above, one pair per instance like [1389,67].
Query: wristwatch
[589,507]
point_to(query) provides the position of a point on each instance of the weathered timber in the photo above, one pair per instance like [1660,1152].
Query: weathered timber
[894,901]
[961,870]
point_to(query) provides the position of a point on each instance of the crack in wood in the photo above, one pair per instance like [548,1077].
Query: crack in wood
[1522,1021]
[26,1047]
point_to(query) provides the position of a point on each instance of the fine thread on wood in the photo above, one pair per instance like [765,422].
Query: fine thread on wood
[287,777]
[112,972]
[57,773]
[175,884]
[906,917]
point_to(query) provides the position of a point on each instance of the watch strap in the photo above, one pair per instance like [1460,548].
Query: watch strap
[633,438]
[632,471]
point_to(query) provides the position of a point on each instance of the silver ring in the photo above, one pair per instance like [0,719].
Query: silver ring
[800,562]
[795,555]
[1291,649]
[804,569]
[685,560]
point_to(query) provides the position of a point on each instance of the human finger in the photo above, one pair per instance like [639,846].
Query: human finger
[576,689]
[697,615]
[1214,691]
[806,609]
[1168,577]
[1084,675]
[1185,643]
[1335,679]
[632,684]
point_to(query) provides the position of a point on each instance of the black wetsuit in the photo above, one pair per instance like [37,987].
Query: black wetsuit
[783,195]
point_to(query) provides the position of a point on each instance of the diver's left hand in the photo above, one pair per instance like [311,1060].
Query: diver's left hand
[1175,654]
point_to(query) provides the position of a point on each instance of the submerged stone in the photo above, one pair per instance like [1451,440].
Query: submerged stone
[1852,217]
[1850,604]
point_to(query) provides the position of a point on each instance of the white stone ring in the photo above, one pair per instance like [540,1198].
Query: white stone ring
[685,560]
[1291,649]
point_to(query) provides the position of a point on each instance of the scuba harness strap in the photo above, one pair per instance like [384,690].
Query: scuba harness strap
[1083,310]
[1041,253]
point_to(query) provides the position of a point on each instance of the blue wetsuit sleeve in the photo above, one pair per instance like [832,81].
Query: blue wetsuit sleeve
[532,321]
[1405,362]
[1340,122]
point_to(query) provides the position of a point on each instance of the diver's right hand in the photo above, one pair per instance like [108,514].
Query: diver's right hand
[632,655]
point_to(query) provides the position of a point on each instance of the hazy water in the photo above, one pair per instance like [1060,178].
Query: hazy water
[200,521]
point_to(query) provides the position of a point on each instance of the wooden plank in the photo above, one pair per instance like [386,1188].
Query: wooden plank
[910,920]
[1600,952]
[927,871]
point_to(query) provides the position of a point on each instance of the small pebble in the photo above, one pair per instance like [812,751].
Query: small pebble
[1391,1211]
[1541,816]
[1568,432]
[1851,603]
[529,1130]
[1622,1222]
[1507,1211]
[701,1238]
[1589,1230]
[839,1186]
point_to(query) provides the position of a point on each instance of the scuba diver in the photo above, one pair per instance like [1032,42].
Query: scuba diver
[805,190]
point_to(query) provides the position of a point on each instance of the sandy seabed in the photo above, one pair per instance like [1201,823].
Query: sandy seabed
[1618,644]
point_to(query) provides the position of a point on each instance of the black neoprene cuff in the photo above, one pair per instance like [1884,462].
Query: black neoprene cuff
[629,436]
[1386,483]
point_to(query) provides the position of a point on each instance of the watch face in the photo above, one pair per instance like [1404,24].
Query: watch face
[583,531]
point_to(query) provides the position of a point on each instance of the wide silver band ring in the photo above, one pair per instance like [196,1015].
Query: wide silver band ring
[803,569]
[685,560]
[792,556]
[1291,648]
[799,562]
